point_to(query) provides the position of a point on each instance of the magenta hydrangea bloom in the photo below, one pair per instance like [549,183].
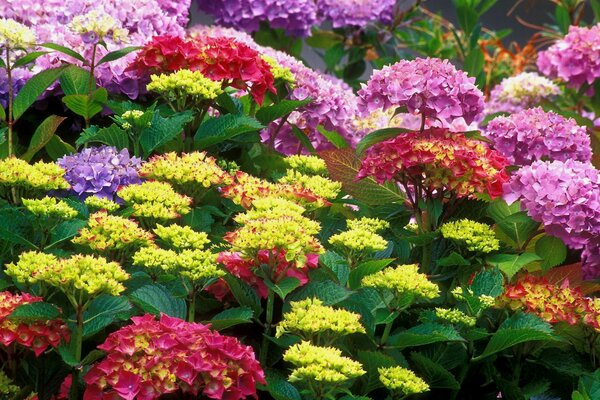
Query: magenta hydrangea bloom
[519,92]
[427,86]
[357,13]
[590,259]
[296,17]
[574,58]
[534,134]
[100,171]
[563,196]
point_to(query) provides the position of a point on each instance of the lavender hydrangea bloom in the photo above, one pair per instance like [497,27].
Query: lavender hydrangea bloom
[517,93]
[590,259]
[534,134]
[563,196]
[574,58]
[100,171]
[296,17]
[19,77]
[427,86]
[355,12]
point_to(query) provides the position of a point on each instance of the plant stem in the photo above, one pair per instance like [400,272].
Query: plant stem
[274,135]
[91,82]
[78,338]
[192,310]
[386,333]
[9,119]
[264,348]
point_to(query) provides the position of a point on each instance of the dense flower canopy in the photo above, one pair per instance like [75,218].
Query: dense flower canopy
[519,92]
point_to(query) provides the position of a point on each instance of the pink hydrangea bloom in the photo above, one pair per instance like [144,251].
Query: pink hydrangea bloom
[517,93]
[357,13]
[590,259]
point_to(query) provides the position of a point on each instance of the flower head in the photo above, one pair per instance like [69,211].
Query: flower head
[534,134]
[181,237]
[184,83]
[308,165]
[96,203]
[14,35]
[520,92]
[430,87]
[359,13]
[475,236]
[402,380]
[96,25]
[319,185]
[30,179]
[368,224]
[155,201]
[590,259]
[280,73]
[358,240]
[195,264]
[7,389]
[50,207]
[454,316]
[403,280]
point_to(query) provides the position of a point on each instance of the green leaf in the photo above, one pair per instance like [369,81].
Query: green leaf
[76,80]
[371,362]
[552,250]
[103,311]
[334,138]
[65,231]
[35,311]
[377,137]
[84,105]
[219,129]
[279,110]
[433,373]
[423,334]
[279,387]
[519,328]
[92,356]
[232,317]
[115,55]
[65,50]
[519,227]
[563,20]
[28,58]
[337,264]
[111,136]
[163,130]
[488,282]
[510,264]
[8,234]
[327,291]
[304,140]
[156,299]
[2,114]
[57,148]
[366,268]
[498,209]
[284,287]
[232,105]
[33,88]
[42,135]
[244,294]
[454,259]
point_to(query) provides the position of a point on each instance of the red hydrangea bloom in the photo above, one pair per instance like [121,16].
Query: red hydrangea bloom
[439,160]
[38,335]
[244,269]
[150,358]
[166,54]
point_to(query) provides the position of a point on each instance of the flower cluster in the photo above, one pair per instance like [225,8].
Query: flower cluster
[78,274]
[181,237]
[151,358]
[380,119]
[7,389]
[402,281]
[50,207]
[430,87]
[195,264]
[164,54]
[590,259]
[101,203]
[39,177]
[358,241]
[95,25]
[534,134]
[155,200]
[563,196]
[572,58]
[309,165]
[454,316]
[100,171]
[321,364]
[19,77]
[37,335]
[311,319]
[475,236]
[440,160]
[402,380]
[355,13]
[319,185]
[14,35]
[520,92]
[369,224]
[112,234]
[190,173]
[280,73]
[184,83]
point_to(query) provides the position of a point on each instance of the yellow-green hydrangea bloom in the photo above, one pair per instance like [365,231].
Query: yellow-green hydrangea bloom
[133,118]
[279,72]
[309,318]
[50,207]
[317,184]
[109,233]
[274,207]
[40,176]
[402,380]
[184,83]
[181,237]
[369,224]
[30,262]
[196,265]
[358,241]
[155,200]
[455,316]
[7,389]
[15,35]
[321,364]
[309,165]
[96,203]
[403,280]
[477,237]
[99,23]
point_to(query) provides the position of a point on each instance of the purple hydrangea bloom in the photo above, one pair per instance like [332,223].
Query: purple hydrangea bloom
[100,171]
[563,196]
[574,58]
[296,17]
[19,77]
[590,259]
[517,93]
[427,86]
[358,13]
[534,134]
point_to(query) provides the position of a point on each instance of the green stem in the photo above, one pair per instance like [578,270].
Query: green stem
[78,338]
[92,81]
[192,310]
[386,332]
[264,348]
[9,120]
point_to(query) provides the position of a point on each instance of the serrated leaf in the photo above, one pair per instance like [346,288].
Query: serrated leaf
[279,387]
[244,294]
[42,135]
[510,264]
[378,136]
[75,80]
[519,227]
[334,138]
[232,317]
[423,334]
[65,231]
[33,89]
[343,166]
[552,250]
[372,361]
[451,260]
[162,130]
[337,264]
[327,291]
[518,329]
[84,105]
[156,299]
[219,129]
[498,209]
[366,268]
[488,282]
[284,287]
[28,58]
[115,55]
[103,311]
[112,135]
[271,113]
[35,311]
[433,373]
[65,50]
[304,139]
[56,148]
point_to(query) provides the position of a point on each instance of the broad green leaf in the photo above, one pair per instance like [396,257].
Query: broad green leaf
[28,58]
[433,373]
[279,387]
[232,105]
[423,334]
[304,140]
[337,264]
[371,362]
[284,287]
[103,311]
[376,137]
[244,294]
[510,264]
[519,227]
[111,136]
[84,105]
[327,291]
[163,130]
[219,129]
[488,282]
[65,231]
[156,299]
[92,356]
[56,148]
[334,138]
[279,110]
[2,114]
[498,209]
[563,20]
[231,317]
[115,55]
[33,89]
[366,268]
[42,135]
[8,234]
[76,80]
[518,329]
[454,259]
[65,50]
[35,311]
[552,250]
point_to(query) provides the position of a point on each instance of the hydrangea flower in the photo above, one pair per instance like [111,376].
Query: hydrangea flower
[573,58]
[95,25]
[398,379]
[150,358]
[195,264]
[154,200]
[535,134]
[454,316]
[50,207]
[319,185]
[563,196]
[14,35]
[590,259]
[475,236]
[358,242]
[95,203]
[517,93]
[431,87]
[100,171]
[358,13]
[309,165]
[29,180]
[185,83]
[19,77]
[181,237]
[403,280]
